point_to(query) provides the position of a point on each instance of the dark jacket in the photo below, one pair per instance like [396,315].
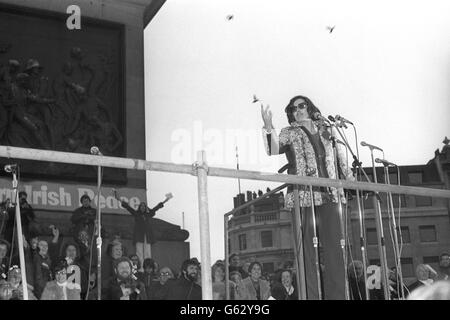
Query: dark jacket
[83,218]
[157,291]
[42,273]
[143,225]
[26,216]
[183,289]
[113,291]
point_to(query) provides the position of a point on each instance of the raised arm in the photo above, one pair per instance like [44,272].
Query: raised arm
[272,142]
[125,204]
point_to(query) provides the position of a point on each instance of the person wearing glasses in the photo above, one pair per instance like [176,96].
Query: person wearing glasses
[60,288]
[309,151]
[159,289]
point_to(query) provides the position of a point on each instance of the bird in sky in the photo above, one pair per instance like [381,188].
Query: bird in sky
[330,28]
[255,99]
[230,17]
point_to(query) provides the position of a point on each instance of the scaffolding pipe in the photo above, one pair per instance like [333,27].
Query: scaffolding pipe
[136,164]
[227,264]
[205,252]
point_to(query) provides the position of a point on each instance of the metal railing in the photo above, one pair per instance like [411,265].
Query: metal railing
[202,171]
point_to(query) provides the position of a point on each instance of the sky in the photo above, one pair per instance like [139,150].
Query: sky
[385,67]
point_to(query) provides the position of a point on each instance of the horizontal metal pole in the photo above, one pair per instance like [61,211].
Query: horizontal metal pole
[136,164]
[92,160]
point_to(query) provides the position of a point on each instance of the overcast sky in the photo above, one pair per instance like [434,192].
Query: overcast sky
[385,66]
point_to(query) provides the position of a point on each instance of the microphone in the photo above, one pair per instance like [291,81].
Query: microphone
[96,151]
[364,144]
[318,116]
[385,162]
[338,117]
[10,167]
[338,123]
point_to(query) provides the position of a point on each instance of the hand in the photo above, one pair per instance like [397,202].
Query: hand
[25,242]
[267,117]
[116,195]
[55,231]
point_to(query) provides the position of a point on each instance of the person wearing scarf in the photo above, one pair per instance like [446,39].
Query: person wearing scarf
[60,289]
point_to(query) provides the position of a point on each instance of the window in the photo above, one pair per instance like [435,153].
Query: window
[242,241]
[407,267]
[427,233]
[266,239]
[415,177]
[395,200]
[371,235]
[433,261]
[423,201]
[393,178]
[268,267]
[229,246]
[404,234]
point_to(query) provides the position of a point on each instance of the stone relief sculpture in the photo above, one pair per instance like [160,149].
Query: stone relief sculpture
[65,111]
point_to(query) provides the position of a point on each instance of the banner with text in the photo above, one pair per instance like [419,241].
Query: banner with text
[66,197]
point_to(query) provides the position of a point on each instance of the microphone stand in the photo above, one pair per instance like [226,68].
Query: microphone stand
[380,234]
[316,244]
[19,234]
[99,235]
[342,242]
[394,226]
[362,240]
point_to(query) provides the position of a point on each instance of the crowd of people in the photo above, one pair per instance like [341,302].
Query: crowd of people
[65,268]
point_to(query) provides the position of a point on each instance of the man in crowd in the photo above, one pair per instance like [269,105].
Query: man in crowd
[185,288]
[123,285]
[444,267]
[4,263]
[42,262]
[83,218]
[235,265]
[27,218]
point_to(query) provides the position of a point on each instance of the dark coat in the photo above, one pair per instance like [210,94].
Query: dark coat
[42,273]
[157,291]
[113,291]
[26,216]
[183,289]
[143,225]
[83,218]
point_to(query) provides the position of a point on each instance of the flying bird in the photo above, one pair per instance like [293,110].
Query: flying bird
[229,17]
[255,99]
[330,28]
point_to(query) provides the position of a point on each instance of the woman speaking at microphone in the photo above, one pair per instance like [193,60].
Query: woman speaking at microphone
[309,151]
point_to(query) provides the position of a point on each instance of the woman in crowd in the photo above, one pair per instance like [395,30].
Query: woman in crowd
[12,288]
[240,292]
[60,288]
[218,275]
[256,288]
[114,251]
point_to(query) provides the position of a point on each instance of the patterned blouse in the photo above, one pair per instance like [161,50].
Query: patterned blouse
[300,147]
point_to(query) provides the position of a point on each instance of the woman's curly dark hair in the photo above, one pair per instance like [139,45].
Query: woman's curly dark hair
[312,109]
